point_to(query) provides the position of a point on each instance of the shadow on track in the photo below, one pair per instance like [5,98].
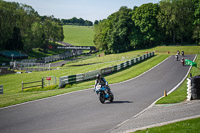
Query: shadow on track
[119,102]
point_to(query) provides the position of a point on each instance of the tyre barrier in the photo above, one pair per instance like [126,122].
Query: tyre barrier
[193,91]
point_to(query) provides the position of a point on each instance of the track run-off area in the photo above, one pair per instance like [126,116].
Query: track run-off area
[82,111]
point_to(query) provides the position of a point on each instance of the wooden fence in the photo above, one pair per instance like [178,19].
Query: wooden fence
[33,84]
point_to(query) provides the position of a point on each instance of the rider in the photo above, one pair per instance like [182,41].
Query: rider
[183,61]
[102,82]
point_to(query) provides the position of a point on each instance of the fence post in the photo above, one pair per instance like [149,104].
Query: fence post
[42,83]
[22,85]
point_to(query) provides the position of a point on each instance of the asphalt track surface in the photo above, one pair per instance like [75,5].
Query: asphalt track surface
[82,112]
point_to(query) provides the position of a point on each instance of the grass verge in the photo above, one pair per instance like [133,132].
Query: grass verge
[187,126]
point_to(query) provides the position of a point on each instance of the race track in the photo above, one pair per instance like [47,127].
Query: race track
[81,112]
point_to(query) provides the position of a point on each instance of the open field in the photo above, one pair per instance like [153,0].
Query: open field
[12,82]
[187,126]
[78,35]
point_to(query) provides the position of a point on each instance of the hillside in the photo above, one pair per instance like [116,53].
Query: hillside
[78,35]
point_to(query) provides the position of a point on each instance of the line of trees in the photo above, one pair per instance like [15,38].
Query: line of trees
[167,22]
[21,28]
[76,21]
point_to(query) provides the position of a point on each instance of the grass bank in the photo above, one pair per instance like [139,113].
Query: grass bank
[187,126]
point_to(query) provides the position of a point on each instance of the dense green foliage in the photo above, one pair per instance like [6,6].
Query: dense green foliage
[21,28]
[196,32]
[168,22]
[76,21]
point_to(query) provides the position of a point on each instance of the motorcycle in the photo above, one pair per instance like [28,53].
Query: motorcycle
[104,94]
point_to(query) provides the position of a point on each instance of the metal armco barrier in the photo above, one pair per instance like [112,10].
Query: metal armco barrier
[105,71]
[1,89]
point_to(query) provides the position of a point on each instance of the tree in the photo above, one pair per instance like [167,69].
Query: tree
[112,34]
[101,35]
[76,21]
[21,28]
[52,31]
[96,22]
[196,32]
[145,17]
[15,42]
[185,11]
[7,21]
[176,18]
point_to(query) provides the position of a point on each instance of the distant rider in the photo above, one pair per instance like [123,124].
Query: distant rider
[183,61]
[102,82]
[182,53]
[176,56]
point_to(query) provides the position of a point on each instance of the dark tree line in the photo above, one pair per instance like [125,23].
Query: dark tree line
[76,21]
[21,28]
[167,22]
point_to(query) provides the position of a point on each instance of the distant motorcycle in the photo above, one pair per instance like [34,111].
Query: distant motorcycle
[104,94]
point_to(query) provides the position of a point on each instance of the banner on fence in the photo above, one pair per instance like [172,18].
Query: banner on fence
[108,70]
[48,78]
[91,74]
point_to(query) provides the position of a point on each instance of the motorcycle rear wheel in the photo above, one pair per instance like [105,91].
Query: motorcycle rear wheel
[111,97]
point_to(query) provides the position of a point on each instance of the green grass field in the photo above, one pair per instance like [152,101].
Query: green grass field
[187,126]
[78,35]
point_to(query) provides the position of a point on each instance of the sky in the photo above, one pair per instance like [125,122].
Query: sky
[87,9]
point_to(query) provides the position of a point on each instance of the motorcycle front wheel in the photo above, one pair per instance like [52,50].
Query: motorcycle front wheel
[101,98]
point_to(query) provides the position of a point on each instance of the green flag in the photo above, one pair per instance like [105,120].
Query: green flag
[191,63]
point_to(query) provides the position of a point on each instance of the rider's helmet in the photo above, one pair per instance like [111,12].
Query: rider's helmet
[98,76]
